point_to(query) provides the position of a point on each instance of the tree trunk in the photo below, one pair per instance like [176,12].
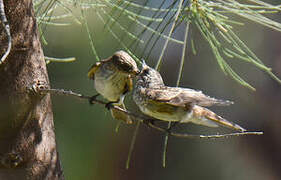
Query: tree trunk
[27,138]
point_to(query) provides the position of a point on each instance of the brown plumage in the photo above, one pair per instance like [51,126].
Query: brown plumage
[176,104]
[201,112]
[113,80]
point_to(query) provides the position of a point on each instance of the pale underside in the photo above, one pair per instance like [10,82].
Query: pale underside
[171,113]
[110,87]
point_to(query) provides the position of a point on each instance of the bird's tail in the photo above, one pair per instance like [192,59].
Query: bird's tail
[121,115]
[206,117]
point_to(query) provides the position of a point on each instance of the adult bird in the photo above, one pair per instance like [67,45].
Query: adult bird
[176,104]
[113,80]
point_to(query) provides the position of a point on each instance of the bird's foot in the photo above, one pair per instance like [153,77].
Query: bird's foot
[110,105]
[93,99]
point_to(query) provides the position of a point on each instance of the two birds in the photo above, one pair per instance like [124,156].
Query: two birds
[113,78]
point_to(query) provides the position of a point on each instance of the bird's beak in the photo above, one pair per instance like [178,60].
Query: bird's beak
[136,72]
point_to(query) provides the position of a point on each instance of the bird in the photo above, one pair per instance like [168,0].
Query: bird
[176,104]
[113,79]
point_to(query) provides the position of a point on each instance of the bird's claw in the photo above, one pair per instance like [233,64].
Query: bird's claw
[93,99]
[109,105]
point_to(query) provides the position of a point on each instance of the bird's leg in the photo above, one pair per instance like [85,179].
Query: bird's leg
[93,98]
[110,105]
[122,97]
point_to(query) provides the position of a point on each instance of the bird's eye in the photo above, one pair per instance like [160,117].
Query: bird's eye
[126,67]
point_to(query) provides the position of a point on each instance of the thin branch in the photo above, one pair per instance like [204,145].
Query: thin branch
[145,120]
[193,136]
[7,29]
[53,59]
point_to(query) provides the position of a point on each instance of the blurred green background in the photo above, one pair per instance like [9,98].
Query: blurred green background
[90,149]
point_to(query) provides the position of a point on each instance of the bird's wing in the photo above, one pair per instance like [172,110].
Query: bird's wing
[95,67]
[164,95]
[183,97]
[130,83]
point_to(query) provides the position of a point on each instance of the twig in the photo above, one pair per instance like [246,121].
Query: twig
[145,120]
[183,135]
[7,29]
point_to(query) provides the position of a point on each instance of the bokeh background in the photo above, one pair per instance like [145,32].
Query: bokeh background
[90,149]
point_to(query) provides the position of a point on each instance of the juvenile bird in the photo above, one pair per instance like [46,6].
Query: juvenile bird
[176,104]
[113,79]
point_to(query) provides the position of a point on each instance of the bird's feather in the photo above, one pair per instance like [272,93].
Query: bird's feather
[201,112]
[183,97]
[130,83]
[119,115]
[95,67]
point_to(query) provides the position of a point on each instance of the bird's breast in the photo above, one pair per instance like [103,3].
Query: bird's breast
[111,85]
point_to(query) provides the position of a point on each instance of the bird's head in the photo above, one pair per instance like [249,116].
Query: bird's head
[125,63]
[149,77]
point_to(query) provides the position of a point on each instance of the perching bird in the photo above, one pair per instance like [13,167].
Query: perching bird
[113,79]
[176,104]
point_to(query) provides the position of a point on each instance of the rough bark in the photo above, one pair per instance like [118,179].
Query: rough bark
[27,138]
